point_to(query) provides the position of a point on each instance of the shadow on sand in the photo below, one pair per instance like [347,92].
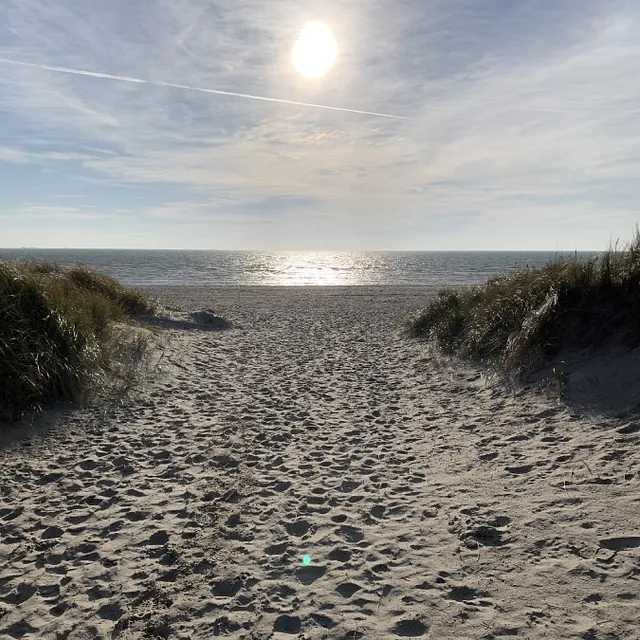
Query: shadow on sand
[197,320]
[601,383]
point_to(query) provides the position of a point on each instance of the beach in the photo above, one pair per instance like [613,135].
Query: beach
[310,472]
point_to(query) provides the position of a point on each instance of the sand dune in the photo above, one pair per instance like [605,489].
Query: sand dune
[429,504]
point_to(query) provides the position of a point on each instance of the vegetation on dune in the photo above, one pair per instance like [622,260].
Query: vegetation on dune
[57,332]
[517,322]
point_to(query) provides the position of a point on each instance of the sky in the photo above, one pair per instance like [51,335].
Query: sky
[453,125]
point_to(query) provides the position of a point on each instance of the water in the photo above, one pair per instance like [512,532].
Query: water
[136,267]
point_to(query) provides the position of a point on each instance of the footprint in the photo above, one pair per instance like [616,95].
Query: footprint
[285,591]
[347,589]
[351,534]
[158,538]
[136,516]
[78,518]
[227,588]
[525,468]
[377,511]
[52,532]
[363,602]
[463,594]
[298,528]
[380,568]
[58,609]
[482,534]
[287,624]
[618,544]
[409,628]
[276,549]
[340,555]
[20,629]
[499,521]
[310,573]
[323,621]
[20,594]
[49,590]
[628,429]
[112,611]
[425,585]
[88,465]
[349,485]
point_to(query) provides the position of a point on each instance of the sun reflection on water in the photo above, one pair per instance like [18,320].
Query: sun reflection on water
[295,268]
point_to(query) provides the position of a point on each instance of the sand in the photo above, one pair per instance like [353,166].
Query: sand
[427,502]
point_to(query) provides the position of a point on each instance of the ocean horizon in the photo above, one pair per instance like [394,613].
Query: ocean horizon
[164,267]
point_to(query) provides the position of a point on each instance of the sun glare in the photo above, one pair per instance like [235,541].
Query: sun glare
[315,51]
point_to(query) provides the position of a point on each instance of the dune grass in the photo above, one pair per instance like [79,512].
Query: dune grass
[516,323]
[57,339]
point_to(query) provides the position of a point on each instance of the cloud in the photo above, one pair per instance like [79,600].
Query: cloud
[51,213]
[184,87]
[522,115]
[25,156]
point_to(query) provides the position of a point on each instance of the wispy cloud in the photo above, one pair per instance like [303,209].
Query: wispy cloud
[218,92]
[51,213]
[521,118]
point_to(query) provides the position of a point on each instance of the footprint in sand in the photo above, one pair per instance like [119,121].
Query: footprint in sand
[340,555]
[20,629]
[310,573]
[377,511]
[287,624]
[89,465]
[409,628]
[351,534]
[20,594]
[620,544]
[347,589]
[525,468]
[52,532]
[298,528]
[466,594]
[277,549]
[227,588]
[112,611]
[322,620]
[158,538]
[349,485]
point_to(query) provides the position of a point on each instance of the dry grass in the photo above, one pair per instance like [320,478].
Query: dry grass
[57,337]
[516,322]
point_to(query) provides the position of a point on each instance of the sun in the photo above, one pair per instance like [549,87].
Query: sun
[315,51]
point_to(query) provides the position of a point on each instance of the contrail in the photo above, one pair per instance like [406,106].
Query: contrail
[108,76]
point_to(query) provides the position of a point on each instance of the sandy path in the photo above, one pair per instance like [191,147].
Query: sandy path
[429,505]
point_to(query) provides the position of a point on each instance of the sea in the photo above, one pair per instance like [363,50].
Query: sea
[294,268]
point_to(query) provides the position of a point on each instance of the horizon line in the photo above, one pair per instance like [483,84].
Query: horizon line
[25,248]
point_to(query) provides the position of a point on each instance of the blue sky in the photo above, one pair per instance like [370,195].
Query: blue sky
[517,125]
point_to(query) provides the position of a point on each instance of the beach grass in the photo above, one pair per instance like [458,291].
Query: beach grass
[517,322]
[58,337]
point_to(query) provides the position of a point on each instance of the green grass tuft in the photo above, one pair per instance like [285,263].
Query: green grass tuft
[56,339]
[516,322]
